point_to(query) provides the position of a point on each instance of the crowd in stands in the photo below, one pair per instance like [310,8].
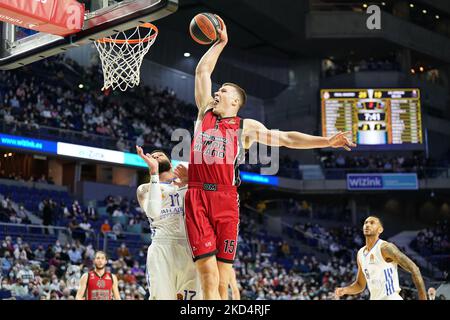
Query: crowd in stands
[49,99]
[303,208]
[46,95]
[19,177]
[267,267]
[10,215]
[375,163]
[434,240]
[83,221]
[332,68]
[53,273]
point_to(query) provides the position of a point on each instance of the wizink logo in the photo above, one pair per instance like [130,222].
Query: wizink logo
[364,182]
[24,143]
[374,20]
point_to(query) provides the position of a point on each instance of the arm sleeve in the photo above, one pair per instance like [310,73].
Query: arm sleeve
[152,203]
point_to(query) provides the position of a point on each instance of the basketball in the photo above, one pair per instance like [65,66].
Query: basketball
[203,28]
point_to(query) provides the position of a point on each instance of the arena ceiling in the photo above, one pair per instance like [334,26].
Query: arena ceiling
[277,28]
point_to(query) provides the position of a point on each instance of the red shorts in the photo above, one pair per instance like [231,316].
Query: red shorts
[212,220]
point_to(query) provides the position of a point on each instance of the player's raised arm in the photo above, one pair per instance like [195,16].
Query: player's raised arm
[115,288]
[151,204]
[356,287]
[181,172]
[205,67]
[391,253]
[82,288]
[255,131]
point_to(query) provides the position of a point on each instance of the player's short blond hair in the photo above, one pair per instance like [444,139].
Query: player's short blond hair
[241,92]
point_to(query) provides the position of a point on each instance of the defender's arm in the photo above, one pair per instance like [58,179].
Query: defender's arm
[152,203]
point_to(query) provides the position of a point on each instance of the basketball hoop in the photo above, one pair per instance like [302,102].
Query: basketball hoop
[122,54]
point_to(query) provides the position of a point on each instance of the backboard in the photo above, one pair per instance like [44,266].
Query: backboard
[19,46]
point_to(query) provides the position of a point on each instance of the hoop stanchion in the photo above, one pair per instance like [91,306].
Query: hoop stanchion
[122,54]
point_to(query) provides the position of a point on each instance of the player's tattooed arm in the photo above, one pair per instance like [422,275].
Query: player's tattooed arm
[392,254]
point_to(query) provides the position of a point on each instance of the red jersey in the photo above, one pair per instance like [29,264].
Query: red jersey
[216,150]
[99,288]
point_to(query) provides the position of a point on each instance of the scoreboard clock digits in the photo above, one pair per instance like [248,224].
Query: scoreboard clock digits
[376,117]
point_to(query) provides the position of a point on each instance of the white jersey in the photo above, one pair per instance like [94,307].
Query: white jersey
[166,218]
[381,276]
[171,273]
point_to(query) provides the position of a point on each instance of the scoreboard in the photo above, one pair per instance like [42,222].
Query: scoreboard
[377,118]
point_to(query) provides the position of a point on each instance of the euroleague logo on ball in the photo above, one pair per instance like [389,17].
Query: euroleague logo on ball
[204,28]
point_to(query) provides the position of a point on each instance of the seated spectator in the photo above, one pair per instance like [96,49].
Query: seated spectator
[6,263]
[5,290]
[26,275]
[85,225]
[118,213]
[117,229]
[19,290]
[39,253]
[129,278]
[42,179]
[74,255]
[91,213]
[76,209]
[137,270]
[77,232]
[49,254]
[123,251]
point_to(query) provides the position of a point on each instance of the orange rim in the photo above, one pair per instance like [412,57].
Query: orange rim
[147,25]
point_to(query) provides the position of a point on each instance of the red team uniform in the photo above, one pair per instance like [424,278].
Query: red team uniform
[99,288]
[212,200]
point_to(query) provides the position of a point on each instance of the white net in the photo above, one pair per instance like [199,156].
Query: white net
[121,56]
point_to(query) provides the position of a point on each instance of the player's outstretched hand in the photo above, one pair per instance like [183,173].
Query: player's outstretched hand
[223,34]
[181,172]
[152,163]
[340,140]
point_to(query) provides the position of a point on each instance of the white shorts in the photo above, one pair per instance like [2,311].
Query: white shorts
[171,272]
